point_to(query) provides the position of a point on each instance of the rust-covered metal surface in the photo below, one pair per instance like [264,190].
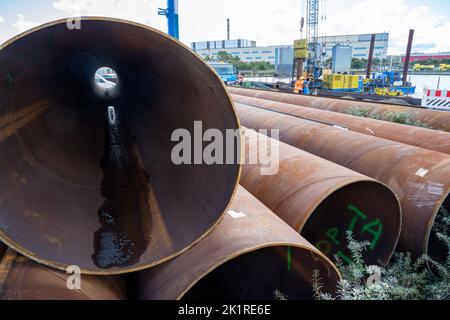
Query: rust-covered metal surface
[322,200]
[250,254]
[419,177]
[416,136]
[76,190]
[438,120]
[23,279]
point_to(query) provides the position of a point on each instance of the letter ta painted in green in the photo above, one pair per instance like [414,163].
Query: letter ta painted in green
[370,228]
[358,214]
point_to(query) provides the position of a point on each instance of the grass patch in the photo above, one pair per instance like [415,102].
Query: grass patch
[407,118]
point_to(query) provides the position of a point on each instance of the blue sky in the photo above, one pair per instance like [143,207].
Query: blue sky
[269,22]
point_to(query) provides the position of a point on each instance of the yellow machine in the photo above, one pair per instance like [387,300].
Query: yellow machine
[444,67]
[340,81]
[418,67]
[387,92]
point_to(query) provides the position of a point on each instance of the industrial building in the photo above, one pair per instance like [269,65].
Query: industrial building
[360,44]
[282,55]
[246,50]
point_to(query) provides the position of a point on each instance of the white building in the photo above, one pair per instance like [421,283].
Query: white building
[251,54]
[360,44]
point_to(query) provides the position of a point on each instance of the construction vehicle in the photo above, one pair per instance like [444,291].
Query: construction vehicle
[419,67]
[388,83]
[226,71]
[444,67]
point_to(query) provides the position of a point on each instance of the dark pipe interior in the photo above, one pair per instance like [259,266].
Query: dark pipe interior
[436,247]
[368,209]
[59,169]
[257,274]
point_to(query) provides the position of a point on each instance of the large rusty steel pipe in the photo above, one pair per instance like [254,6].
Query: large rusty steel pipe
[23,279]
[415,136]
[322,200]
[251,254]
[438,120]
[87,176]
[419,177]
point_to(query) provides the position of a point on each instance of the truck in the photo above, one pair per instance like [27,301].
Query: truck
[444,67]
[226,71]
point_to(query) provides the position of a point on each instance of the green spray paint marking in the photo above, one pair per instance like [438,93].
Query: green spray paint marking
[289,258]
[332,234]
[373,227]
[376,233]
[358,215]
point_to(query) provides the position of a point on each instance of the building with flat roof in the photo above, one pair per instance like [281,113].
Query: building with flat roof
[246,50]
[360,44]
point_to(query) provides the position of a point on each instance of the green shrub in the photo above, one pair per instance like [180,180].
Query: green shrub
[407,118]
[404,278]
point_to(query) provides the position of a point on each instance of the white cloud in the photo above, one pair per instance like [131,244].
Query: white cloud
[432,30]
[137,10]
[278,22]
[1,19]
[23,25]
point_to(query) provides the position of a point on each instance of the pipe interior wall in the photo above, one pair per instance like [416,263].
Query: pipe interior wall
[77,189]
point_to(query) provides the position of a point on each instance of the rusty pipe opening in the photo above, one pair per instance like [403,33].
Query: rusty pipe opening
[436,247]
[265,274]
[366,208]
[109,199]
[252,254]
[419,177]
[23,279]
[320,199]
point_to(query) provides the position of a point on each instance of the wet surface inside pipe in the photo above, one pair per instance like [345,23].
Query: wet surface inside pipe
[125,215]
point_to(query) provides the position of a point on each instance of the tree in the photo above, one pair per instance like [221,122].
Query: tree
[357,63]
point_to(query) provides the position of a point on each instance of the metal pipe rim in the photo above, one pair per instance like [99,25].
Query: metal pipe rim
[324,258]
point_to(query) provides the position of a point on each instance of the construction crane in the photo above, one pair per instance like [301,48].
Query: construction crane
[312,36]
[171,12]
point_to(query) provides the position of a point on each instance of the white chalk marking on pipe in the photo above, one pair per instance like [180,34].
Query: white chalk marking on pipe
[339,127]
[421,172]
[236,215]
[368,129]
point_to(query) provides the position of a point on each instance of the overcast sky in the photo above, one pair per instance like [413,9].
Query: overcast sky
[269,22]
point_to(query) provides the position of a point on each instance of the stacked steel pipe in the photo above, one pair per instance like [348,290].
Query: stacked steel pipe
[438,120]
[322,200]
[23,279]
[89,183]
[415,136]
[419,177]
[252,254]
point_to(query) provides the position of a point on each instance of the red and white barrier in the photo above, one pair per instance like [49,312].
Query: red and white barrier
[436,99]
